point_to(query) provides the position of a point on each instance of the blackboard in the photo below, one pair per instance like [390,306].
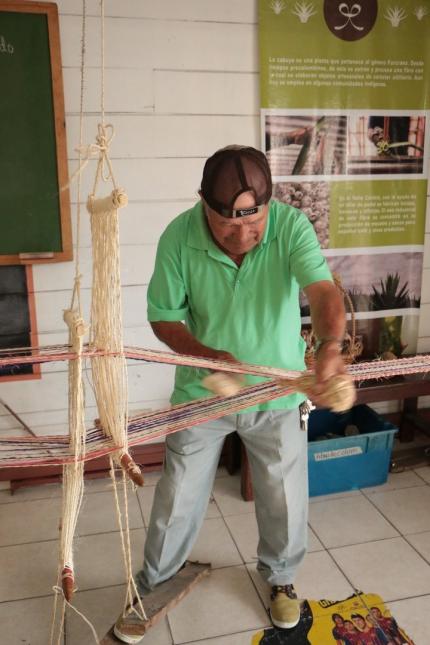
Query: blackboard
[34,212]
[17,319]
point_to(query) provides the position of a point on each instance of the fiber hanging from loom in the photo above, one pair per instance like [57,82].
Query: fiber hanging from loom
[109,370]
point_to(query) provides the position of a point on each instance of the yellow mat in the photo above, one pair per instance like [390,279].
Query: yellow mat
[362,619]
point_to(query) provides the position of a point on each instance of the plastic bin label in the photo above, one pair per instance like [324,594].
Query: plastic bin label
[341,452]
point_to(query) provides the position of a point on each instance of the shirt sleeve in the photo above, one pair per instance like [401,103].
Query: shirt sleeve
[167,298]
[307,262]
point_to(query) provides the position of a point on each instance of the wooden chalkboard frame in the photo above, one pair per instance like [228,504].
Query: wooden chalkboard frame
[50,9]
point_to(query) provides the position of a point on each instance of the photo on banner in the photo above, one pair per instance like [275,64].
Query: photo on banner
[345,127]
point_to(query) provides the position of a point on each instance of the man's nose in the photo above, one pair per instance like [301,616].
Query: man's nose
[240,233]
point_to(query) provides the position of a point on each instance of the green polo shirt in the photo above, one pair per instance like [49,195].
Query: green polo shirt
[251,311]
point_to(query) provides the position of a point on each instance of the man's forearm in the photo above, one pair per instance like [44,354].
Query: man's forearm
[328,313]
[176,336]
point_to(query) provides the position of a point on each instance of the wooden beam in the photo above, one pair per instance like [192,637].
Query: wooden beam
[158,602]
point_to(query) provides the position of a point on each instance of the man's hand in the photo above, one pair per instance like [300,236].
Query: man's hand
[328,363]
[221,355]
[328,323]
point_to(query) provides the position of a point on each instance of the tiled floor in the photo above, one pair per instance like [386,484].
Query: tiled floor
[376,540]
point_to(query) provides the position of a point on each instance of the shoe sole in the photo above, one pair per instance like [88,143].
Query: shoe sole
[124,638]
[278,623]
[285,625]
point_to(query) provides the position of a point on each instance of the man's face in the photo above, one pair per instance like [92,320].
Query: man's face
[359,622]
[239,235]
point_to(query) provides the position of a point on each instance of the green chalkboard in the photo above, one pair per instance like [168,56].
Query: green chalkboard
[34,212]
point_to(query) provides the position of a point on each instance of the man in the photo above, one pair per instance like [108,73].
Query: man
[231,267]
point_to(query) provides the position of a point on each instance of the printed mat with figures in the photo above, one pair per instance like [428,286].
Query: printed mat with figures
[361,619]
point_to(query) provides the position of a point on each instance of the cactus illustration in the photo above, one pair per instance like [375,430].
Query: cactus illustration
[420,12]
[303,10]
[277,6]
[395,15]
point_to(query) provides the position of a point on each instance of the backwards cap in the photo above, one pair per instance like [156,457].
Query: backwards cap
[232,171]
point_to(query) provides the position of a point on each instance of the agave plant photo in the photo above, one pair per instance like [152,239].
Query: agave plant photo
[390,296]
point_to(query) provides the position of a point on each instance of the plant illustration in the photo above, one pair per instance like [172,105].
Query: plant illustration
[389,296]
[395,15]
[303,10]
[420,12]
[278,6]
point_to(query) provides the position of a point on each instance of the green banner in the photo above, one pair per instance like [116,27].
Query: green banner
[345,126]
[330,50]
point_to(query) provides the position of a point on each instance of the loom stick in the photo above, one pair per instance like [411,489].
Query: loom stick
[68,582]
[132,469]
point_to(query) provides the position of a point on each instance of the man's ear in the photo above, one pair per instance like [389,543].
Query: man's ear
[205,206]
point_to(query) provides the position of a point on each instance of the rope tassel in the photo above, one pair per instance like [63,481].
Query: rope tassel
[110,371]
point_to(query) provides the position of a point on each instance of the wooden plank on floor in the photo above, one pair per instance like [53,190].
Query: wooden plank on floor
[163,598]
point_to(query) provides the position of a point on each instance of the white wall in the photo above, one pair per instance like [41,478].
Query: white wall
[181,81]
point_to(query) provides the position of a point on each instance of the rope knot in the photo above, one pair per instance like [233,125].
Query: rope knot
[104,136]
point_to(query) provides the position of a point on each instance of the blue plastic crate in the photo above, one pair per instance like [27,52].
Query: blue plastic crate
[347,463]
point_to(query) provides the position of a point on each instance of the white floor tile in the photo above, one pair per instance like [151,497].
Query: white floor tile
[99,484]
[28,570]
[350,520]
[314,544]
[424,473]
[99,560]
[421,542]
[45,491]
[245,534]
[317,578]
[146,497]
[390,568]
[242,638]
[225,609]
[408,509]
[228,498]
[30,521]
[215,545]
[224,603]
[323,498]
[412,616]
[406,479]
[102,607]
[99,515]
[26,621]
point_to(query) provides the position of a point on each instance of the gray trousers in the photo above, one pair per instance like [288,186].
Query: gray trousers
[277,452]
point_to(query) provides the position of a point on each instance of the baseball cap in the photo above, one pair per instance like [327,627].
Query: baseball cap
[234,170]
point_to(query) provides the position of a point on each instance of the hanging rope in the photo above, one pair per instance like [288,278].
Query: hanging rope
[73,473]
